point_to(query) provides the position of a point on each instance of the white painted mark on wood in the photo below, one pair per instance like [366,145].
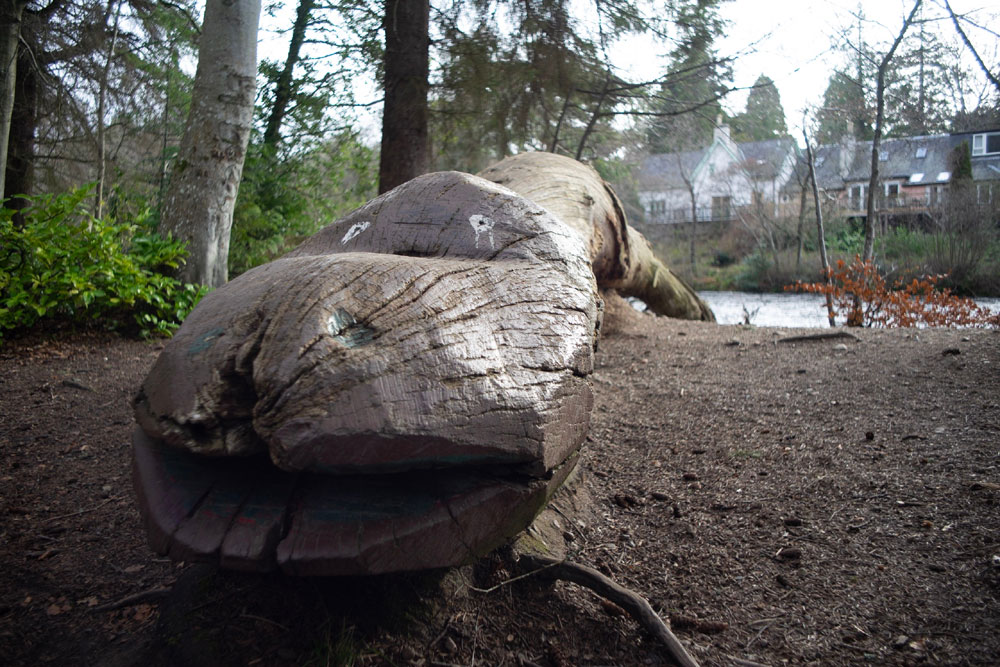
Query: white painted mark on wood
[355,229]
[480,224]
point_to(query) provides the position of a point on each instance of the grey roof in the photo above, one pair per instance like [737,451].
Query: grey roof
[667,170]
[901,159]
[828,170]
[836,164]
[770,154]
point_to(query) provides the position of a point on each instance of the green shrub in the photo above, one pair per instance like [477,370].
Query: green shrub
[848,238]
[904,245]
[63,265]
[283,199]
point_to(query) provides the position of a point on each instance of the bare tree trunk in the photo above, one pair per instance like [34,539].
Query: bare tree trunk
[11,12]
[209,165]
[405,153]
[819,226]
[554,144]
[102,95]
[593,117]
[20,173]
[694,222]
[283,87]
[869,249]
[800,233]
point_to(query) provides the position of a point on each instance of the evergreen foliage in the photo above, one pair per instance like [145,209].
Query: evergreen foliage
[764,117]
[688,101]
[64,266]
[284,200]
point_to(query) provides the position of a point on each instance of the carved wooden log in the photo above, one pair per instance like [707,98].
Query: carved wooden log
[622,259]
[426,355]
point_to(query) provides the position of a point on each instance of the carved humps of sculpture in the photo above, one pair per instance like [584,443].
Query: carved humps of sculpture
[405,390]
[401,337]
[437,339]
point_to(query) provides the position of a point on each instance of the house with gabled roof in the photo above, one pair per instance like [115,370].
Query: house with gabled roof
[914,175]
[711,183]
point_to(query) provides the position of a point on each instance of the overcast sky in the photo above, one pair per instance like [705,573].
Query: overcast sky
[791,42]
[788,40]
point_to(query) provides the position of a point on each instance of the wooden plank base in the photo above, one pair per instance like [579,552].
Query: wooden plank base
[246,514]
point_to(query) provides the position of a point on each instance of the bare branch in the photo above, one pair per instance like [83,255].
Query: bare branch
[968,44]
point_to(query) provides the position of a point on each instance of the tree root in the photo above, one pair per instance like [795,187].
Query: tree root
[142,597]
[832,335]
[636,606]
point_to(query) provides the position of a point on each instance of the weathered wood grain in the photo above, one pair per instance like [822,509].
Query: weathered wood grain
[411,334]
[246,514]
[403,391]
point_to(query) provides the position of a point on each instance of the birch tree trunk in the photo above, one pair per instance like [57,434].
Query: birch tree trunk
[10,25]
[820,231]
[206,175]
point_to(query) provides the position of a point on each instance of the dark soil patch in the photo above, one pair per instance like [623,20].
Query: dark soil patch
[825,502]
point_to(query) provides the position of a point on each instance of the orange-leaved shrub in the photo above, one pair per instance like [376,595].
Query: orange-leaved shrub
[859,291]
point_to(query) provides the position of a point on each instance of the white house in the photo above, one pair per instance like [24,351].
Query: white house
[709,184]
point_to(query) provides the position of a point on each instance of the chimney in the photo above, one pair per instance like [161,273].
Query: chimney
[848,148]
[721,133]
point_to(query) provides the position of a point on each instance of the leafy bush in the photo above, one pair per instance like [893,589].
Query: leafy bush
[861,292]
[849,238]
[63,265]
[284,199]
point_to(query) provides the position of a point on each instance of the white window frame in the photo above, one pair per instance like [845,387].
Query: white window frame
[979,143]
[862,190]
[932,194]
[892,199]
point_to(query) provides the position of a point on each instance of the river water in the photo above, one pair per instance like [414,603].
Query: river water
[780,310]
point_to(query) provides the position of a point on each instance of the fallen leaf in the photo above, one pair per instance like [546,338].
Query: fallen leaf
[143,612]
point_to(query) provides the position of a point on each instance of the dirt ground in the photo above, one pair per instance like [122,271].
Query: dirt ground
[828,502]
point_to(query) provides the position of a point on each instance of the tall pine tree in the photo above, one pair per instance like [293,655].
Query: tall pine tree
[695,81]
[764,117]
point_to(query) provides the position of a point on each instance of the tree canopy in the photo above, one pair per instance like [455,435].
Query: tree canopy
[764,117]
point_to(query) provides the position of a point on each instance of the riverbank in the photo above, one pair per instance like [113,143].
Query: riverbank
[782,309]
[823,501]
[727,257]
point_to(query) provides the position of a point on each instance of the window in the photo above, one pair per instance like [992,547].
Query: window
[720,208]
[921,152]
[883,155]
[916,178]
[987,143]
[933,194]
[892,194]
[856,196]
